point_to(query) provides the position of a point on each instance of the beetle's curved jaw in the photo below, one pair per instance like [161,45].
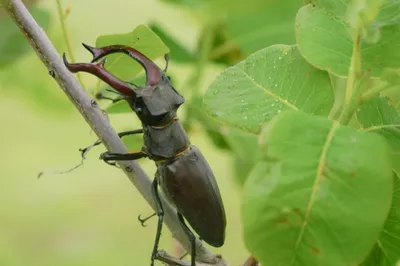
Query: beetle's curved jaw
[99,71]
[153,72]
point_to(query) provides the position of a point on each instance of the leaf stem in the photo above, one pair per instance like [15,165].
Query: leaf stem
[194,80]
[204,55]
[353,87]
[374,92]
[64,30]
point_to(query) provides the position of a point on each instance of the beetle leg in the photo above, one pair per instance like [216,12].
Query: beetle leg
[160,214]
[191,237]
[109,156]
[85,151]
[100,96]
[144,220]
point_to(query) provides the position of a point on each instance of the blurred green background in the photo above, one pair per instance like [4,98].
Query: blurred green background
[87,217]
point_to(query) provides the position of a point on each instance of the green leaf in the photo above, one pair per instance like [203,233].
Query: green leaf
[269,81]
[266,26]
[13,44]
[386,12]
[387,249]
[177,51]
[378,115]
[325,42]
[246,150]
[142,39]
[320,196]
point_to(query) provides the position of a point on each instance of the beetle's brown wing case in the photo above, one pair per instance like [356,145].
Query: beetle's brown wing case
[190,185]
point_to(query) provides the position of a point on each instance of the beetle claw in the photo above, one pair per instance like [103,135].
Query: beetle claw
[144,220]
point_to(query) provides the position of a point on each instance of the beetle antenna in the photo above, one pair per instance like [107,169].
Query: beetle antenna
[100,96]
[114,91]
[166,57]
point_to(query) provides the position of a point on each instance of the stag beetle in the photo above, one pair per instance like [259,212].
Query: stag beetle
[183,173]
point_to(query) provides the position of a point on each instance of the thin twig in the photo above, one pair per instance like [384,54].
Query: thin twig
[61,15]
[94,117]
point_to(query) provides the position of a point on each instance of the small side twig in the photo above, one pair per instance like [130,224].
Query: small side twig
[94,116]
[62,16]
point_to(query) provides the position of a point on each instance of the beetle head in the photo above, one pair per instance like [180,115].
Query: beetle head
[155,103]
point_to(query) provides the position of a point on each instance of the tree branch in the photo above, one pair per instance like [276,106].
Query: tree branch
[94,117]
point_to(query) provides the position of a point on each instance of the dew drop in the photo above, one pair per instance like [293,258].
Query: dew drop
[216,92]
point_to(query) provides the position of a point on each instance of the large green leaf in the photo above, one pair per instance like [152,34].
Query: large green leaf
[386,11]
[269,25]
[387,249]
[267,82]
[142,39]
[246,150]
[378,115]
[325,42]
[320,196]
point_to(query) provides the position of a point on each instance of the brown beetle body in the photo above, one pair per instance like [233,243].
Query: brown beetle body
[183,173]
[189,184]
